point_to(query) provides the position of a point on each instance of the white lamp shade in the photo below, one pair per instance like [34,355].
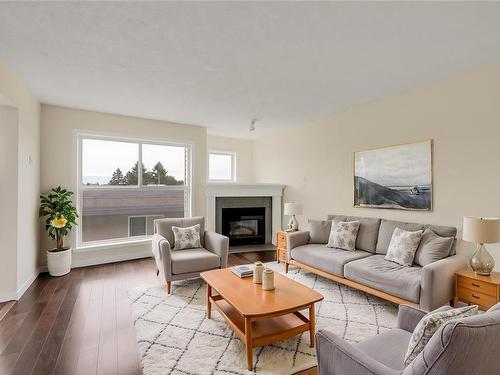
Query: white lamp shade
[481,229]
[293,209]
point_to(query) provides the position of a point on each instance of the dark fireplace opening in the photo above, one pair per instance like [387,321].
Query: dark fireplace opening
[244,225]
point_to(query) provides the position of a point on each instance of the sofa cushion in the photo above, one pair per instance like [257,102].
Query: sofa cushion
[387,228]
[326,259]
[164,227]
[319,231]
[444,231]
[432,248]
[403,246]
[343,235]
[193,260]
[388,277]
[388,348]
[368,231]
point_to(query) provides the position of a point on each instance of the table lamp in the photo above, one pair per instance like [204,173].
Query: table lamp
[293,209]
[481,230]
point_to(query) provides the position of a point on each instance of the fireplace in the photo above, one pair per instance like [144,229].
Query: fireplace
[244,225]
[245,220]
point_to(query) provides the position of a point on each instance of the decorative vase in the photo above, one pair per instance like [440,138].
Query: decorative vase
[59,262]
[257,273]
[482,262]
[268,279]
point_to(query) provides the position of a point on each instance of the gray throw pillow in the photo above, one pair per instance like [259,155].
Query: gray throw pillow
[319,231]
[432,248]
[429,324]
[403,246]
[343,235]
[187,238]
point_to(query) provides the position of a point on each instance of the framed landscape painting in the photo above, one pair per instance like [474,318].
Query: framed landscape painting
[394,177]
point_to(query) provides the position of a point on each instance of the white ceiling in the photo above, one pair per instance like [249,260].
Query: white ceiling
[221,64]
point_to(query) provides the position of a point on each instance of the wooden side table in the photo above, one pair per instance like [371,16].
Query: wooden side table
[473,289]
[281,252]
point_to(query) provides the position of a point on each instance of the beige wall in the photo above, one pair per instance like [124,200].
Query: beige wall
[15,93]
[8,192]
[57,136]
[244,158]
[461,115]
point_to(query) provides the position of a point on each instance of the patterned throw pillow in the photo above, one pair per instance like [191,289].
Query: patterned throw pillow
[403,246]
[343,235]
[429,324]
[187,238]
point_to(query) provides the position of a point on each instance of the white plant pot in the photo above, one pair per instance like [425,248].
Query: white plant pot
[59,262]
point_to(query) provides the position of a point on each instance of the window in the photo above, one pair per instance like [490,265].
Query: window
[221,166]
[125,184]
[142,225]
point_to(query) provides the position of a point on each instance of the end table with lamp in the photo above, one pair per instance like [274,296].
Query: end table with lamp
[481,230]
[479,285]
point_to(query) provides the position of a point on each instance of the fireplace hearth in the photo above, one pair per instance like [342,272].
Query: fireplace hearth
[244,225]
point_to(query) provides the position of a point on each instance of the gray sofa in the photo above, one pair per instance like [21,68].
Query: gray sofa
[462,346]
[429,286]
[188,263]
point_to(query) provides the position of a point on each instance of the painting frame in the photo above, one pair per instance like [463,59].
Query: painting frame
[360,201]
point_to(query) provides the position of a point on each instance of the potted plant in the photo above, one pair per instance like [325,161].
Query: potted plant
[60,217]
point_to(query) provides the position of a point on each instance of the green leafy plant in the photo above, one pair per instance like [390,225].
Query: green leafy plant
[60,214]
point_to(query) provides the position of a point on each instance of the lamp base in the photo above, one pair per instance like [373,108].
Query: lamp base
[293,224]
[482,262]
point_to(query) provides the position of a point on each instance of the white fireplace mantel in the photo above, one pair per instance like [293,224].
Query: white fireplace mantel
[275,191]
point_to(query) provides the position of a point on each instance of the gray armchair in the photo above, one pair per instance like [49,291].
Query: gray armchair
[462,346]
[188,263]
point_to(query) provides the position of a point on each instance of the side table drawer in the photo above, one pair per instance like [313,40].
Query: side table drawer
[474,297]
[282,255]
[477,285]
[281,240]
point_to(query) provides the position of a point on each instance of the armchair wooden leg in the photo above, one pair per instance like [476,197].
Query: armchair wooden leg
[169,287]
[157,272]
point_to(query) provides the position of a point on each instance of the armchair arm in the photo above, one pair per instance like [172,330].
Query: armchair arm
[438,281]
[408,317]
[217,244]
[337,357]
[161,252]
[296,239]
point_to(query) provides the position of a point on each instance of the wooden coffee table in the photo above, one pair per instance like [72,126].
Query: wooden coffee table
[257,316]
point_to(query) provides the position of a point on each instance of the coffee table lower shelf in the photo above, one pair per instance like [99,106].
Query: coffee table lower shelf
[265,330]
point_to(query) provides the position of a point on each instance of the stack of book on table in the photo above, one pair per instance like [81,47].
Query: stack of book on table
[242,271]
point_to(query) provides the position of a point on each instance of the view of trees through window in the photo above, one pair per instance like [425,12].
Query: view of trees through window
[109,162]
[158,175]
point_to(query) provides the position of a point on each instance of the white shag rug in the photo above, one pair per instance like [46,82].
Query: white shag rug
[174,336]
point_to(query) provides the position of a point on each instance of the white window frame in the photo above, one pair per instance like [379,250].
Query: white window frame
[234,157]
[79,187]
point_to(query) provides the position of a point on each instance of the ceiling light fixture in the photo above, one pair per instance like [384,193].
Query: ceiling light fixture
[252,124]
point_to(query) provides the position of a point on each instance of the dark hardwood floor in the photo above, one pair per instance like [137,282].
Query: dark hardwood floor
[81,323]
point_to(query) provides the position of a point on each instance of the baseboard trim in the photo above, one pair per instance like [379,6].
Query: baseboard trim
[27,284]
[16,296]
[5,297]
[109,259]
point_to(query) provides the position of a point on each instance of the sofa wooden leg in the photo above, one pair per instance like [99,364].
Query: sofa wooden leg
[157,272]
[169,287]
